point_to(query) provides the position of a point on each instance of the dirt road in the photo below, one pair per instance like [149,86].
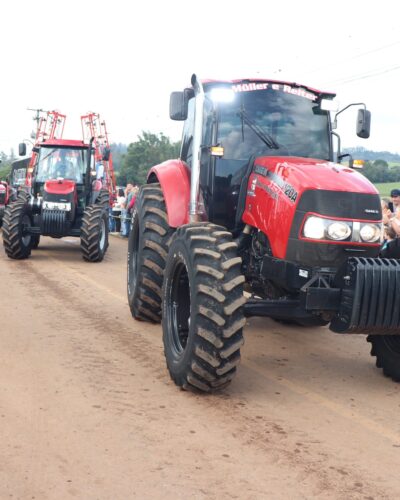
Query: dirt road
[87,409]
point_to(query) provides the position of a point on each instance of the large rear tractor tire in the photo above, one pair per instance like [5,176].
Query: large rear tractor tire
[94,233]
[386,348]
[203,307]
[16,223]
[148,244]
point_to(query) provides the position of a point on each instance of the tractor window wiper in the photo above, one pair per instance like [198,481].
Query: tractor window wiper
[48,154]
[264,136]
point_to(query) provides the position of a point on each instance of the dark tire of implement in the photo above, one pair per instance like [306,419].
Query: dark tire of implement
[386,349]
[203,307]
[94,233]
[148,244]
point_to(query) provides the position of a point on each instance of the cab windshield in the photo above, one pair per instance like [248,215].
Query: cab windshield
[61,163]
[278,120]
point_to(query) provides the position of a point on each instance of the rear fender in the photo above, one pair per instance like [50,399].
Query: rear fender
[174,178]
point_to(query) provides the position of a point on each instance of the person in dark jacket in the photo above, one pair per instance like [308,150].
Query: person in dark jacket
[394,200]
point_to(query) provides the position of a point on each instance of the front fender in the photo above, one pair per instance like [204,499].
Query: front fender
[174,179]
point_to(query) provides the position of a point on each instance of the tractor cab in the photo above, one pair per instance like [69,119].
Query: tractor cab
[240,120]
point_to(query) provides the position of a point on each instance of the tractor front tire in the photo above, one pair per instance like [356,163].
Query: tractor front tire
[148,244]
[386,348]
[94,233]
[17,220]
[203,299]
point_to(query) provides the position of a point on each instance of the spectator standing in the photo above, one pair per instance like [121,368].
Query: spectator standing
[395,222]
[125,222]
[386,213]
[118,206]
[130,202]
[395,200]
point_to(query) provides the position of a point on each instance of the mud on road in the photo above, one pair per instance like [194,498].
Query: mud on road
[88,411]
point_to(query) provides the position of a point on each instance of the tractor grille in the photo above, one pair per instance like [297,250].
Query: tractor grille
[370,301]
[54,223]
[2,198]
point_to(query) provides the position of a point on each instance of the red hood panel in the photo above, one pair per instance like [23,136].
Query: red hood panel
[306,173]
[59,187]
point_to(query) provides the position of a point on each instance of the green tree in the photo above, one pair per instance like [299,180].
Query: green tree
[118,151]
[149,150]
[5,164]
[378,171]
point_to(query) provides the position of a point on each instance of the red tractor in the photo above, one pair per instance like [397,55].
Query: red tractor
[257,203]
[6,196]
[68,189]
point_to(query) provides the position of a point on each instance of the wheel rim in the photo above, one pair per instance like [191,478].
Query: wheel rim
[392,342]
[102,233]
[179,308]
[26,224]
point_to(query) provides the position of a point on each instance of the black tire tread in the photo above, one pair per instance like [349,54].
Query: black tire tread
[12,237]
[218,315]
[154,238]
[90,230]
[103,198]
[386,358]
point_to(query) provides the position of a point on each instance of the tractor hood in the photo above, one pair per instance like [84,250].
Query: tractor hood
[283,190]
[306,173]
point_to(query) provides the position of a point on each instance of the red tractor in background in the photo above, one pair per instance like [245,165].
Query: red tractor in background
[11,186]
[257,203]
[69,187]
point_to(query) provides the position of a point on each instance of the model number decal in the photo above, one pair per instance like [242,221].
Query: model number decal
[288,189]
[290,192]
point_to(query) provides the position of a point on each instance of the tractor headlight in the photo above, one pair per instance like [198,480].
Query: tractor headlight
[331,230]
[314,228]
[370,233]
[338,231]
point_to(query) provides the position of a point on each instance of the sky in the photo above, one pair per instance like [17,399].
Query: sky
[122,59]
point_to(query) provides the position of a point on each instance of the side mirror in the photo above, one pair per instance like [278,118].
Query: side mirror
[106,154]
[178,106]
[22,149]
[363,123]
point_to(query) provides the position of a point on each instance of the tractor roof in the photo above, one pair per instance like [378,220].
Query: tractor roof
[63,143]
[209,83]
